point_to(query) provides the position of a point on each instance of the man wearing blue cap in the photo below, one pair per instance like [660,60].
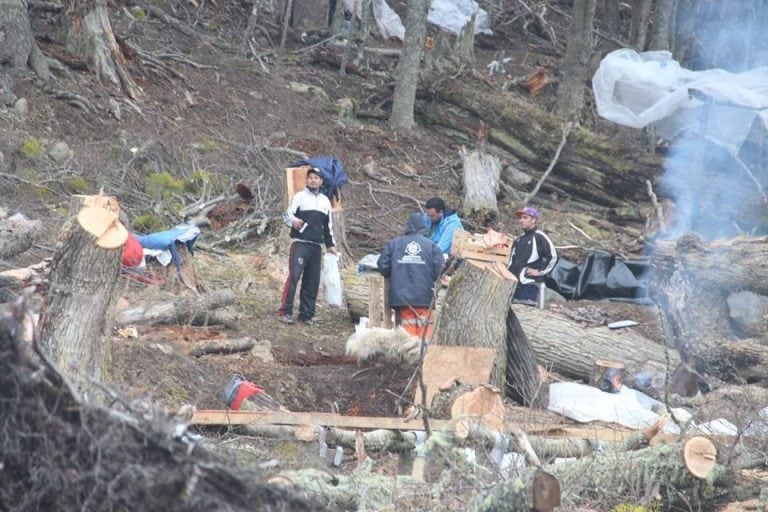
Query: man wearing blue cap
[533,256]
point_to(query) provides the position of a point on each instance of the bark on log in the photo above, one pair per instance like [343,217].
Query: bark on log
[343,492]
[224,346]
[474,314]
[708,261]
[77,316]
[480,406]
[481,184]
[355,292]
[192,311]
[523,383]
[590,169]
[572,350]
[17,234]
[693,280]
[534,491]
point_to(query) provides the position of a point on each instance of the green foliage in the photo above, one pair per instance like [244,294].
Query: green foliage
[32,147]
[163,185]
[210,27]
[629,507]
[148,223]
[139,13]
[198,181]
[77,184]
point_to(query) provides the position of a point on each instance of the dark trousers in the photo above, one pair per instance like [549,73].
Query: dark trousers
[528,291]
[304,264]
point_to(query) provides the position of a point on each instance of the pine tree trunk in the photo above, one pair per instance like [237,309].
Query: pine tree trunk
[638,31]
[662,24]
[77,318]
[474,315]
[404,96]
[576,66]
[90,36]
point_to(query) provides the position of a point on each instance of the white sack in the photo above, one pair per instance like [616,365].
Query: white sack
[331,278]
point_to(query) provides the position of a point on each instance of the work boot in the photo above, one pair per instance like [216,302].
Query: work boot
[287,319]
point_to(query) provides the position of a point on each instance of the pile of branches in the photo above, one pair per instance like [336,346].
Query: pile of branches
[59,453]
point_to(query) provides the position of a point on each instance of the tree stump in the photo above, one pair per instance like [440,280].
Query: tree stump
[77,316]
[471,405]
[475,315]
[481,184]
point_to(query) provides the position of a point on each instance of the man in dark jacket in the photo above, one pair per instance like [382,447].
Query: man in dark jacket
[309,217]
[533,256]
[413,264]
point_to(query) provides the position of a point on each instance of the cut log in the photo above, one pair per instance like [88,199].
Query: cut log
[474,314]
[77,316]
[181,311]
[694,284]
[356,288]
[481,184]
[704,260]
[571,350]
[591,169]
[537,491]
[472,406]
[17,234]
[523,383]
[223,346]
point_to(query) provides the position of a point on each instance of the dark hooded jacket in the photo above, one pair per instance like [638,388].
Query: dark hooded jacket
[413,263]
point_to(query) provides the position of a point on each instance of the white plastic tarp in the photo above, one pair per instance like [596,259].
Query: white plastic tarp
[583,403]
[450,15]
[638,89]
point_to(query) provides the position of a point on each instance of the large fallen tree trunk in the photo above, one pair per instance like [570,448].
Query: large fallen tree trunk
[17,234]
[194,311]
[591,169]
[693,281]
[570,349]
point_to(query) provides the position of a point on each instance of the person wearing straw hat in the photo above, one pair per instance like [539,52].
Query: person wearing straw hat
[533,256]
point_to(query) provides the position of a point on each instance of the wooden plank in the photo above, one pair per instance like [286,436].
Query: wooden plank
[296,181]
[225,417]
[316,419]
[470,365]
[386,309]
[375,285]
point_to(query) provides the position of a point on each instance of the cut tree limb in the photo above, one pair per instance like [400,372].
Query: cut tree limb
[180,311]
[222,346]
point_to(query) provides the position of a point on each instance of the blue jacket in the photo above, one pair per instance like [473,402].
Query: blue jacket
[413,263]
[442,232]
[166,241]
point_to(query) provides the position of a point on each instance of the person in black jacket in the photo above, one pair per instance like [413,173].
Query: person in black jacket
[309,217]
[533,256]
[413,264]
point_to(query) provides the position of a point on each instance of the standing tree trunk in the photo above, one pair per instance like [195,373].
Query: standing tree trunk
[638,28]
[662,25]
[404,96]
[17,47]
[90,36]
[611,18]
[475,315]
[576,67]
[77,317]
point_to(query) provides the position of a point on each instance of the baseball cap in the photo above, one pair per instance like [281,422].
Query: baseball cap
[529,211]
[314,170]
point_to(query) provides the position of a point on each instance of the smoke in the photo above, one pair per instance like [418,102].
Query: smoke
[715,169]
